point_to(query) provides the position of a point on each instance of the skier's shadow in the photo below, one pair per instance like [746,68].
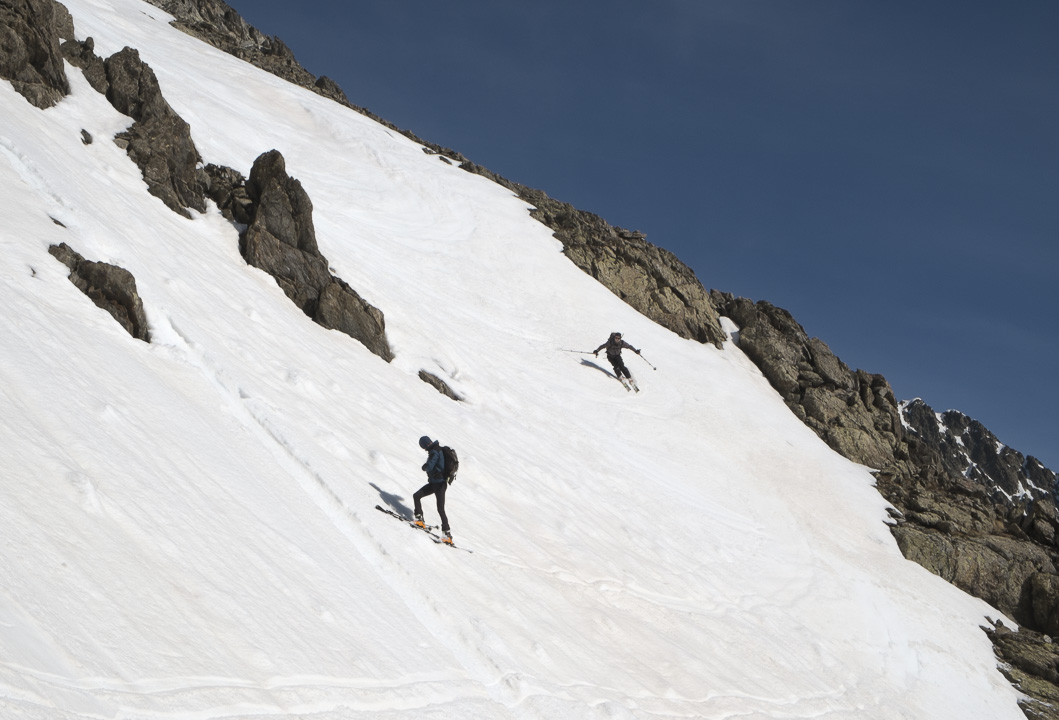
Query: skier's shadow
[594,366]
[393,501]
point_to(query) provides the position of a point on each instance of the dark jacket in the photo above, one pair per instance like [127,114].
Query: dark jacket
[435,464]
[614,346]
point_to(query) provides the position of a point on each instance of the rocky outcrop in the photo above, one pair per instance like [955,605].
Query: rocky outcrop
[110,287]
[30,33]
[281,240]
[159,142]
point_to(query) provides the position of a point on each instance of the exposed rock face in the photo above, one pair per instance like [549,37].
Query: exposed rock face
[83,55]
[967,448]
[159,142]
[109,286]
[30,31]
[281,240]
[228,189]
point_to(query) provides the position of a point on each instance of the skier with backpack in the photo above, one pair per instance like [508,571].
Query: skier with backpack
[440,468]
[614,347]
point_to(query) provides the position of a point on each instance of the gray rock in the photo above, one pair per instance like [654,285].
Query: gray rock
[30,57]
[438,384]
[1044,594]
[1030,661]
[110,287]
[227,188]
[82,55]
[281,240]
[341,308]
[159,142]
[282,208]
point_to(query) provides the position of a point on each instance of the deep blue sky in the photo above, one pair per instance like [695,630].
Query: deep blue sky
[886,171]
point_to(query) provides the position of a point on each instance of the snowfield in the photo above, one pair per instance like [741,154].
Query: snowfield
[189,528]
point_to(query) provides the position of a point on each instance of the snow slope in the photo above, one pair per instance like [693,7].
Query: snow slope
[189,527]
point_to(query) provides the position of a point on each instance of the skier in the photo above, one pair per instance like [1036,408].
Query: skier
[614,346]
[436,485]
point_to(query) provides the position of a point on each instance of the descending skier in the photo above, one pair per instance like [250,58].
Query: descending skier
[436,485]
[614,346]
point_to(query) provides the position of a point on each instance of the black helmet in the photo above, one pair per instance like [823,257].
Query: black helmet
[425,442]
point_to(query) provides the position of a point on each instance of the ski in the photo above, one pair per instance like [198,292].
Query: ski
[410,521]
[430,530]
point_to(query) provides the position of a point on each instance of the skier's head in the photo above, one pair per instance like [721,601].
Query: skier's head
[424,442]
[615,336]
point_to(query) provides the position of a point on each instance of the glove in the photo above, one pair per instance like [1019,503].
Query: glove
[636,351]
[424,468]
[595,354]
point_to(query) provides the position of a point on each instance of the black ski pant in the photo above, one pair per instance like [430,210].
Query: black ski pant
[438,490]
[619,366]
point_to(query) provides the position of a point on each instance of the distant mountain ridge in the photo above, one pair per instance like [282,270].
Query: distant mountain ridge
[968,448]
[969,508]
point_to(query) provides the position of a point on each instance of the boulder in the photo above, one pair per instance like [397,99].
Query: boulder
[110,287]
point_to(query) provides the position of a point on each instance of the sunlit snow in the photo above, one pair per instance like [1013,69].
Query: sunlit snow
[189,528]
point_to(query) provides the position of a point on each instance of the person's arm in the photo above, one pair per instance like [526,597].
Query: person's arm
[435,462]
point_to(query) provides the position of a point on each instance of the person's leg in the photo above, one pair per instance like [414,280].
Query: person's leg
[619,367]
[440,494]
[418,498]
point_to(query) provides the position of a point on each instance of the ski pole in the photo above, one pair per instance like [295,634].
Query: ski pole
[579,352]
[646,361]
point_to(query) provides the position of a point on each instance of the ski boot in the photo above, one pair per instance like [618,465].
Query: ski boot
[419,521]
[446,537]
